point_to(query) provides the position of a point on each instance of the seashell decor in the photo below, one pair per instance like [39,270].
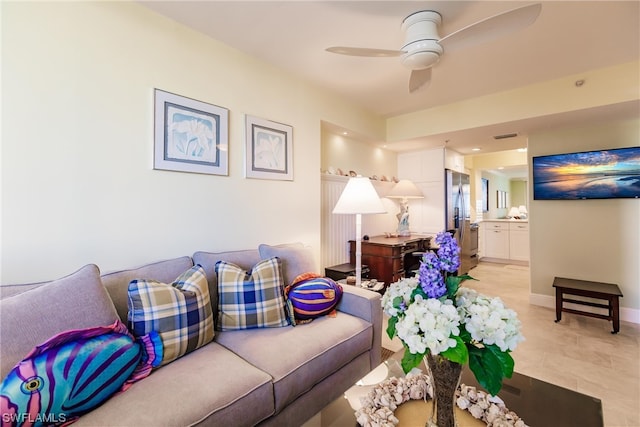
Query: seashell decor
[379,404]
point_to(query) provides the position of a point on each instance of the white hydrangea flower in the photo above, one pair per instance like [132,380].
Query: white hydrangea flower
[488,320]
[429,324]
[402,288]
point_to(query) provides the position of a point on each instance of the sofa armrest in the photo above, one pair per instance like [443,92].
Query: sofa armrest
[366,305]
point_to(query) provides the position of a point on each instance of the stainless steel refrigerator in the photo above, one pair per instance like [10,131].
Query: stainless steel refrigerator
[458,218]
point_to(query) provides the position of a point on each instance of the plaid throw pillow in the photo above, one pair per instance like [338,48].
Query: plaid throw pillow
[180,312]
[252,299]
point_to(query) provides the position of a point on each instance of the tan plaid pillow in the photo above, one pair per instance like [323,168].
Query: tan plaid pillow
[180,312]
[252,299]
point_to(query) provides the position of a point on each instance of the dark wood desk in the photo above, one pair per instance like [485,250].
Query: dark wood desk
[389,258]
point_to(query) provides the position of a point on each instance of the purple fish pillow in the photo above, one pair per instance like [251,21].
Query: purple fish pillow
[73,372]
[311,296]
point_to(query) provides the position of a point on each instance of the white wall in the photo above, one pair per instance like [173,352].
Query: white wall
[351,154]
[518,192]
[497,182]
[607,86]
[596,240]
[77,142]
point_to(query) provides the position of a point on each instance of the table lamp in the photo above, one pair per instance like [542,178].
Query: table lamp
[514,213]
[359,197]
[523,211]
[404,190]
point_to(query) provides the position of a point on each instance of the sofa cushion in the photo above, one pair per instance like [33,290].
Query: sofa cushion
[180,312]
[117,282]
[322,347]
[250,299]
[296,259]
[76,301]
[210,386]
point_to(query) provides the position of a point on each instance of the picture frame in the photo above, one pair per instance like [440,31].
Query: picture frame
[190,135]
[485,195]
[269,149]
[501,199]
[611,173]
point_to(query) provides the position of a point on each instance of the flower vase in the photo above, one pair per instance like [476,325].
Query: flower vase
[445,378]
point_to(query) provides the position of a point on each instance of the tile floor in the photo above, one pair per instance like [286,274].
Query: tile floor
[579,353]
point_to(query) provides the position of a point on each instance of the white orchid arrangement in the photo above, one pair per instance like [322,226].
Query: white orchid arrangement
[431,313]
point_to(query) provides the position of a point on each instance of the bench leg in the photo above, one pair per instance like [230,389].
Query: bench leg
[558,305]
[615,305]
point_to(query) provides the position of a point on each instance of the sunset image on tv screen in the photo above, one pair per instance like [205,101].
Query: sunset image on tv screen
[588,175]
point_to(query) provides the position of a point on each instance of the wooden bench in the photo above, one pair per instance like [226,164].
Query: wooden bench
[598,290]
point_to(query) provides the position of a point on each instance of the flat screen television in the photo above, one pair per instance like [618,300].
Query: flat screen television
[602,174]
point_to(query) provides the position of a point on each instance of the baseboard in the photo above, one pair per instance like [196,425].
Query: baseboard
[630,315]
[504,261]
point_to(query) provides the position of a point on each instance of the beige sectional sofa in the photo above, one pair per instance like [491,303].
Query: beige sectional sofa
[267,376]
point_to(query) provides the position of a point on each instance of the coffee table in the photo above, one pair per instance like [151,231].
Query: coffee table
[538,403]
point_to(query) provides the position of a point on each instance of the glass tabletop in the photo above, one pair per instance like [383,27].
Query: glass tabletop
[538,403]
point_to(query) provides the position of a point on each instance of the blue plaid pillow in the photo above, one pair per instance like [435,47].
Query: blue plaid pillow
[180,312]
[253,299]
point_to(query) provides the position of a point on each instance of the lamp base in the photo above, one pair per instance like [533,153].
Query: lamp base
[403,219]
[403,226]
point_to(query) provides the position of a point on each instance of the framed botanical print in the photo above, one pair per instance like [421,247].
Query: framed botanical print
[190,135]
[269,149]
[485,195]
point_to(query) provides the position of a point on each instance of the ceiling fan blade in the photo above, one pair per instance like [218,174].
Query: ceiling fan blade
[492,27]
[419,79]
[363,51]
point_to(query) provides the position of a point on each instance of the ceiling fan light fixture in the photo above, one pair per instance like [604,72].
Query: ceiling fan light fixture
[423,45]
[420,60]
[421,40]
[422,24]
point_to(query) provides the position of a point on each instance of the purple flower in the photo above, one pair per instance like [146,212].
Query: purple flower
[448,253]
[430,277]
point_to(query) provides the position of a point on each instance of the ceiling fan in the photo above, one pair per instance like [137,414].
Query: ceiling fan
[423,45]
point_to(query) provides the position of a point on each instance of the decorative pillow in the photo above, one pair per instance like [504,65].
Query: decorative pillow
[296,259]
[179,312]
[253,299]
[312,296]
[70,374]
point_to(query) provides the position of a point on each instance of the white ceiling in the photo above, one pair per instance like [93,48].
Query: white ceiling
[569,37]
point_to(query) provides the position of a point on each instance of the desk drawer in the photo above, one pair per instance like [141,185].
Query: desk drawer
[411,247]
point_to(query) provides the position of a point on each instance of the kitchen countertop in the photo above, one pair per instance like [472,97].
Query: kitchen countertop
[503,220]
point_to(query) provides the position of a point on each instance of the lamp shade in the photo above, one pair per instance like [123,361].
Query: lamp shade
[513,212]
[359,197]
[405,189]
[523,209]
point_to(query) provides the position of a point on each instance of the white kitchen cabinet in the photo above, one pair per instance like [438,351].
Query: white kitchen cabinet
[454,161]
[422,166]
[426,169]
[505,240]
[519,241]
[496,239]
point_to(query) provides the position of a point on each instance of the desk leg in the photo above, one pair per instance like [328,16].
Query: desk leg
[615,306]
[558,305]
